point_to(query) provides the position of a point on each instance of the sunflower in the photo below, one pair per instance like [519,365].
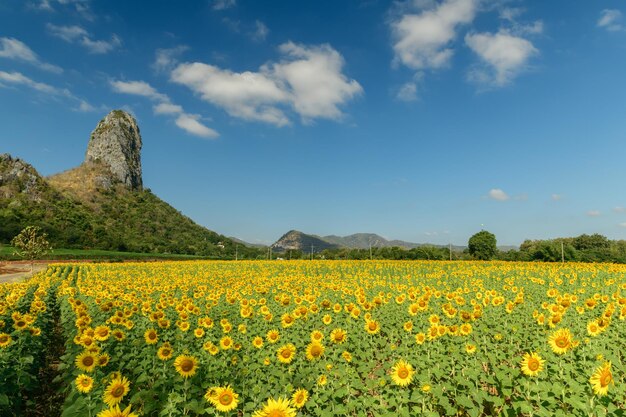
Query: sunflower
[276,408]
[372,326]
[317,336]
[420,338]
[186,365]
[20,324]
[84,383]
[408,326]
[151,336]
[532,364]
[102,333]
[593,328]
[338,336]
[257,342]
[601,379]
[327,319]
[5,340]
[165,352]
[314,350]
[402,373]
[116,412]
[470,348]
[299,398]
[198,332]
[118,335]
[103,359]
[561,341]
[87,361]
[286,353]
[347,356]
[224,399]
[465,329]
[273,336]
[226,342]
[322,380]
[116,390]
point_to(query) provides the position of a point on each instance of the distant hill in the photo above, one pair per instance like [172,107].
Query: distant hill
[295,240]
[102,204]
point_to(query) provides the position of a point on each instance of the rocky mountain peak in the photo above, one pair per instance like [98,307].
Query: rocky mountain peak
[19,177]
[116,142]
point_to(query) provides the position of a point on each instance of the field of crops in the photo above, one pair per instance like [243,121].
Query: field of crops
[315,338]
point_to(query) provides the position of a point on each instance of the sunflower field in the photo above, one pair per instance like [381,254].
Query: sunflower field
[319,338]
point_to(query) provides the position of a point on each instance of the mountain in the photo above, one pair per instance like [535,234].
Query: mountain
[295,240]
[102,203]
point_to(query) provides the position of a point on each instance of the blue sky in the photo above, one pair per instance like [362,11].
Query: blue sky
[420,120]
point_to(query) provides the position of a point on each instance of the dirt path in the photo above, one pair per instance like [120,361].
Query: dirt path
[16,271]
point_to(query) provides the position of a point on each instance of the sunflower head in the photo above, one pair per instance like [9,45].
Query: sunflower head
[116,390]
[402,373]
[186,365]
[532,364]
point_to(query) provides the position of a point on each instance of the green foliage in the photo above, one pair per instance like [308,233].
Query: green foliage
[31,243]
[482,245]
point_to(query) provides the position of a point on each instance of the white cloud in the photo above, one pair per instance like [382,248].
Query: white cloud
[498,194]
[80,6]
[619,209]
[76,34]
[261,31]
[15,49]
[223,4]
[188,122]
[167,108]
[17,78]
[623,224]
[504,56]
[593,213]
[556,197]
[611,20]
[408,92]
[308,79]
[138,88]
[422,41]
[167,58]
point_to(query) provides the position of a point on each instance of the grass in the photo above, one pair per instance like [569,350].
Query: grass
[6,253]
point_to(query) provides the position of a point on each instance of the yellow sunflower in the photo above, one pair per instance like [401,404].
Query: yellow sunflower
[532,364]
[116,412]
[347,356]
[165,352]
[317,336]
[314,350]
[420,338]
[273,336]
[226,342]
[87,361]
[224,399]
[402,373]
[470,348]
[286,353]
[186,365]
[116,390]
[372,326]
[5,340]
[257,342]
[561,341]
[84,383]
[593,328]
[601,379]
[151,336]
[276,408]
[338,336]
[299,398]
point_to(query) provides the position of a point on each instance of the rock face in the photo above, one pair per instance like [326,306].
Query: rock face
[116,142]
[19,177]
[295,240]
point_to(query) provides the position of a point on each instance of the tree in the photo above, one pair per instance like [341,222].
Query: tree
[30,244]
[482,245]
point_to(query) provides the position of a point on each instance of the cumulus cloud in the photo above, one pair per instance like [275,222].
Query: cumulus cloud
[19,79]
[163,106]
[498,194]
[556,197]
[503,56]
[619,209]
[623,224]
[423,40]
[17,50]
[260,32]
[308,80]
[167,58]
[190,123]
[408,92]
[223,4]
[611,20]
[77,34]
[593,213]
